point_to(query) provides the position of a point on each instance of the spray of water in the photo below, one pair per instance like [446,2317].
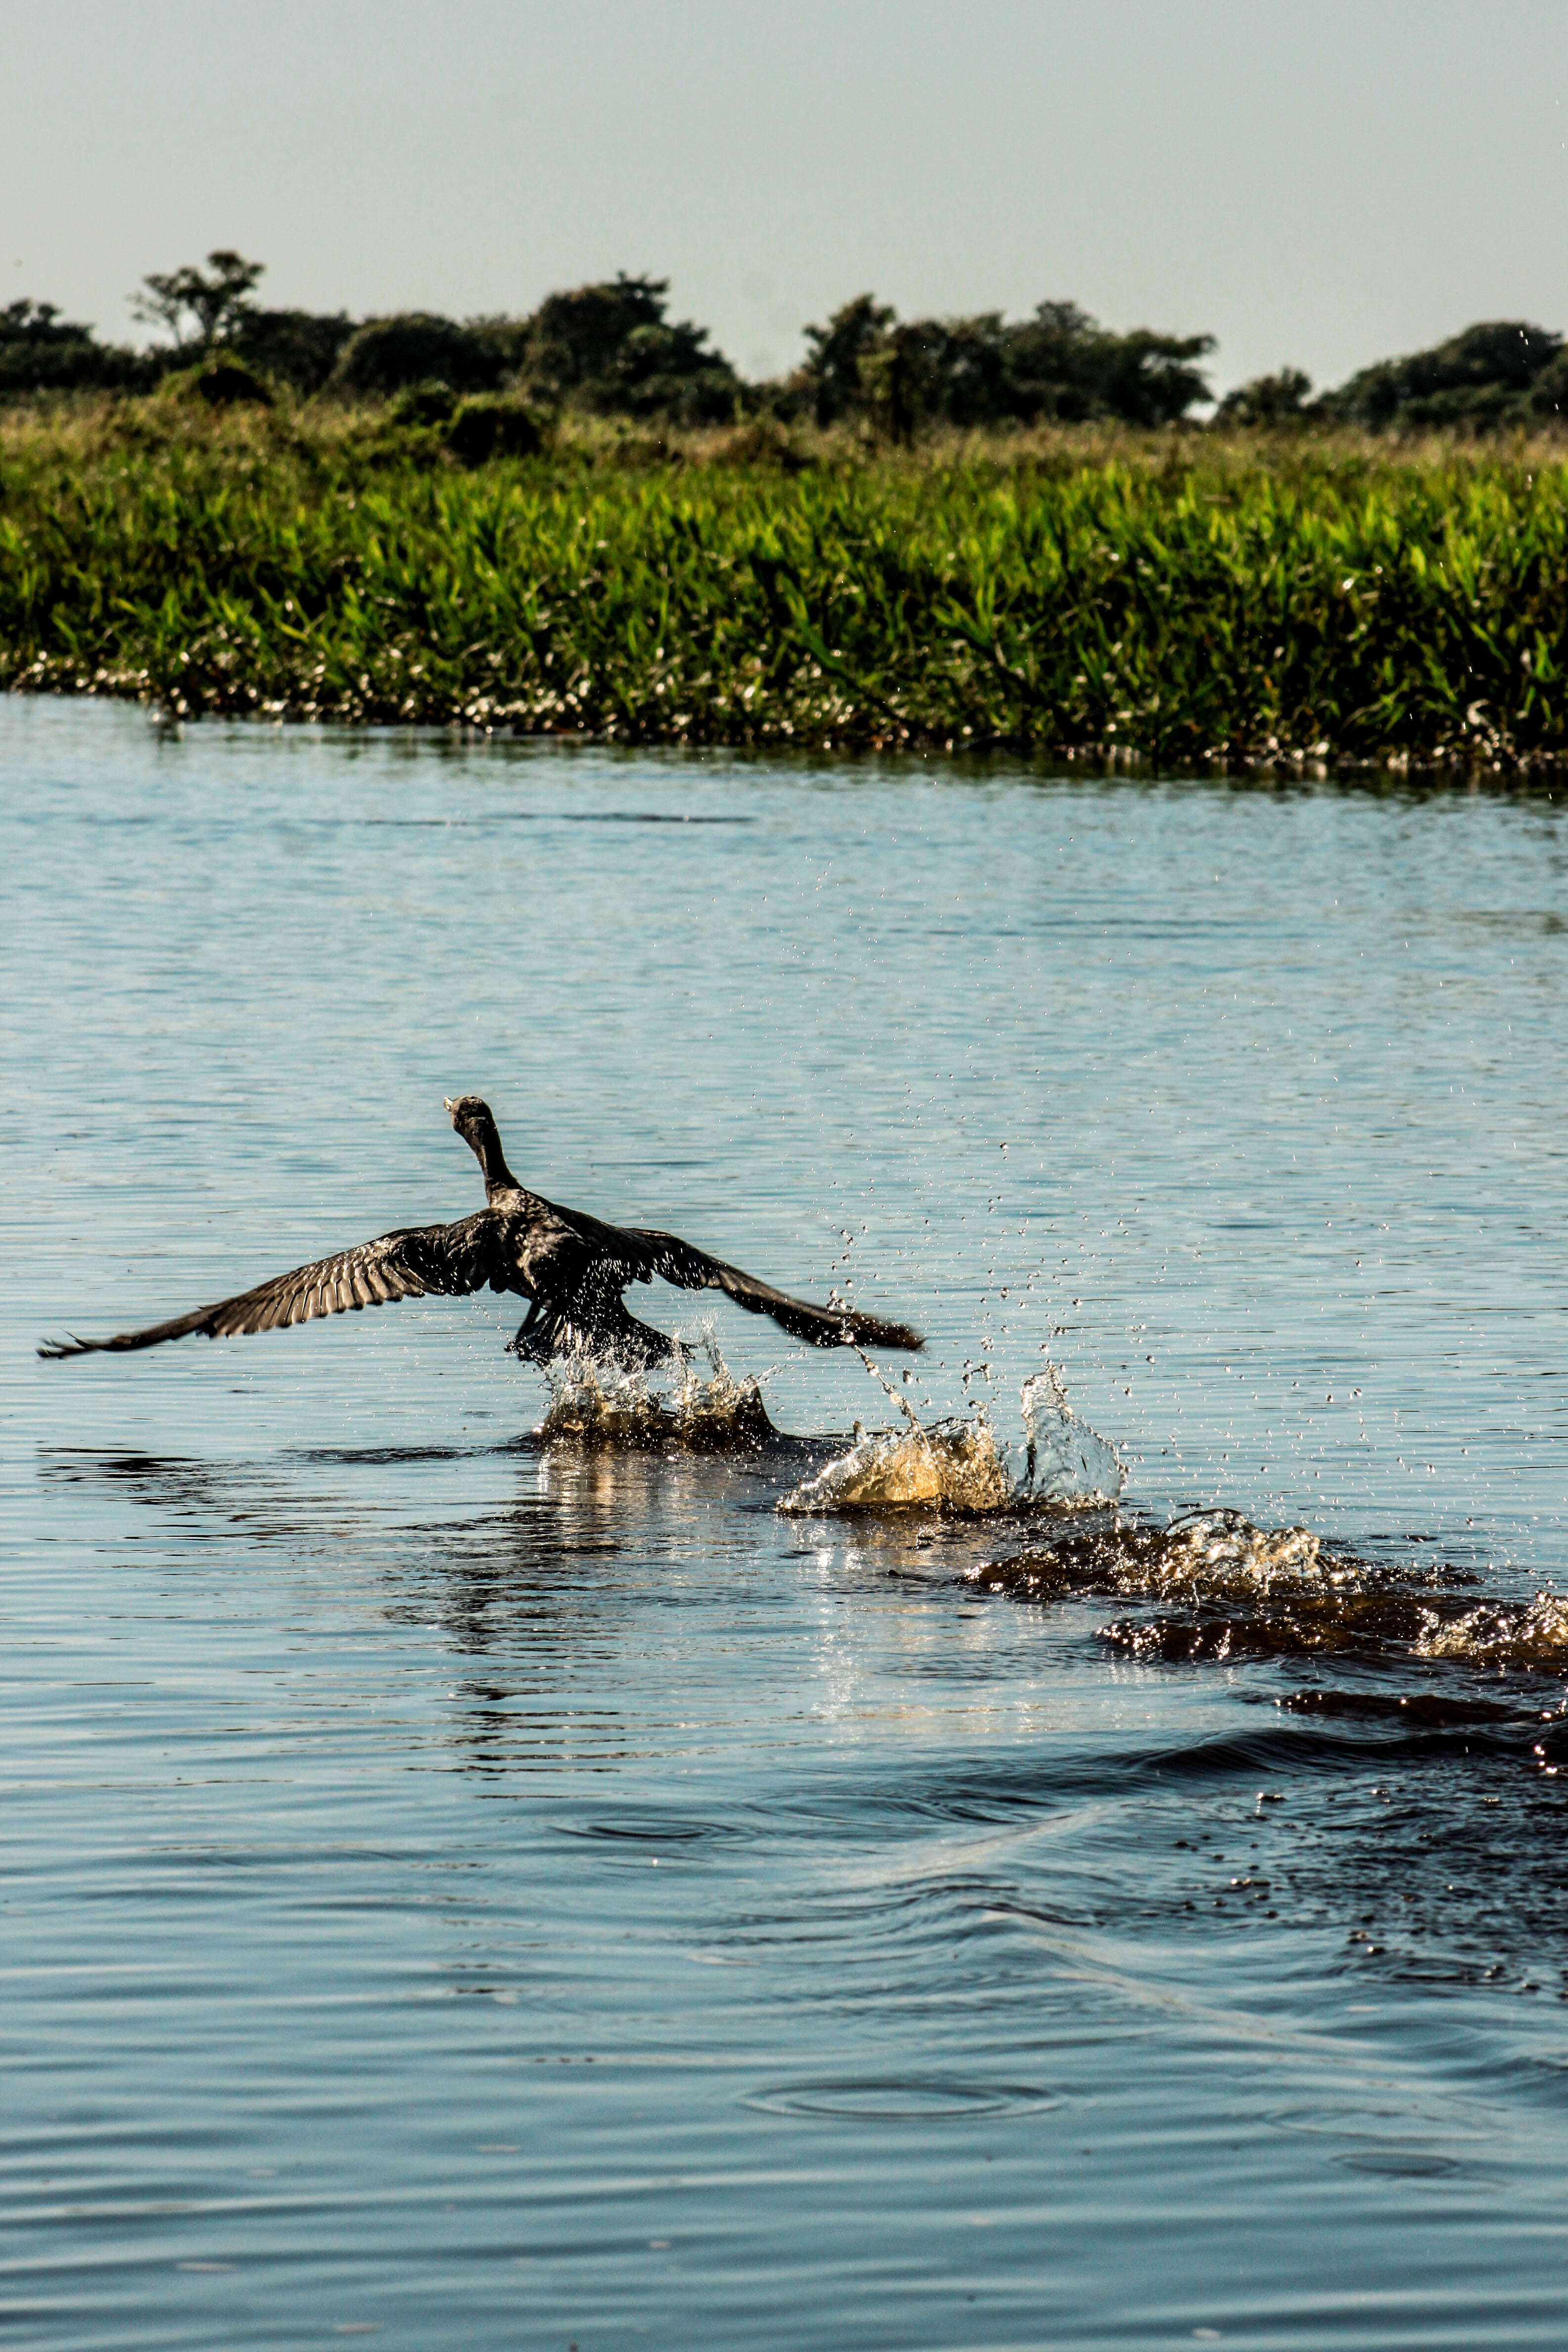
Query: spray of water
[594,1404]
[959,1466]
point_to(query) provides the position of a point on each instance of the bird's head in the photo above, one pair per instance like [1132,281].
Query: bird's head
[471,1117]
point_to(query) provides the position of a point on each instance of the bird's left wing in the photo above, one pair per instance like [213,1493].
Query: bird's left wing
[417,1262]
[823,1327]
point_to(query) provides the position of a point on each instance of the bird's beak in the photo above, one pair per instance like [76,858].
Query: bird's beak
[447,1103]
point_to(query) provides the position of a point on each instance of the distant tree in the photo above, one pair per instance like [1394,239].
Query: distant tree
[611,349]
[1479,379]
[891,383]
[838,353]
[1279,399]
[1062,363]
[577,339]
[1549,390]
[415,347]
[1059,363]
[667,372]
[1151,379]
[39,323]
[195,307]
[41,351]
[959,369]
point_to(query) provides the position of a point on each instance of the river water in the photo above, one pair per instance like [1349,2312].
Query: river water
[472,1886]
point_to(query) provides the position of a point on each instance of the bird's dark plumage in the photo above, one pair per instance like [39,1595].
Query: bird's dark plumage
[571,1267]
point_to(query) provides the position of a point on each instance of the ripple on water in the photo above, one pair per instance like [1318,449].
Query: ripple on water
[899,2099]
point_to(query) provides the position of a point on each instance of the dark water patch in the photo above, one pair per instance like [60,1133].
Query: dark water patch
[1362,1625]
[386,1456]
[540,816]
[1399,2163]
[656,1828]
[71,1463]
[900,2099]
[1424,1707]
[1062,1778]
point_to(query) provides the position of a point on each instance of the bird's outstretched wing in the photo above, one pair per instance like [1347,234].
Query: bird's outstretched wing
[417,1262]
[823,1327]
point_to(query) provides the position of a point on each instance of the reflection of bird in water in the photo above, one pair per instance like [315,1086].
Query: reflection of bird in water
[571,1268]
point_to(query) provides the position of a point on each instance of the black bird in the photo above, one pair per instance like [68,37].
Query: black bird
[570,1267]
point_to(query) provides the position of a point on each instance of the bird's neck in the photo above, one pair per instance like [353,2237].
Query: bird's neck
[497,1176]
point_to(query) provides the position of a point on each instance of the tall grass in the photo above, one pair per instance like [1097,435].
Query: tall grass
[1183,601]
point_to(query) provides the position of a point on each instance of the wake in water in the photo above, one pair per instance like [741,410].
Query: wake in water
[1225,1589]
[594,1404]
[1208,1586]
[957,1465]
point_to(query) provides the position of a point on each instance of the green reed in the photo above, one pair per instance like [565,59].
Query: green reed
[1187,604]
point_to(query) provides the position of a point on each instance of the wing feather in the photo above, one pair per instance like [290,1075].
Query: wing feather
[416,1261]
[690,1268]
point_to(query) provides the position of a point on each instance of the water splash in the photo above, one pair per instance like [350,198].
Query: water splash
[959,1466]
[1066,1461]
[591,1404]
[1205,1558]
[953,1466]
[1494,1634]
[1225,1589]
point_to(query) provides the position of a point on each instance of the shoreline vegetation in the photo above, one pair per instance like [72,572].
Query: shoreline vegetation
[1280,592]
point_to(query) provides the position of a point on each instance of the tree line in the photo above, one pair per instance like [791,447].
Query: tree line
[611,350]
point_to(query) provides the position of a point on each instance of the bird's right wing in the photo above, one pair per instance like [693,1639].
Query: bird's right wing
[417,1262]
[690,1268]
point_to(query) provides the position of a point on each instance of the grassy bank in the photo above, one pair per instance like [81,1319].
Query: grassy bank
[1180,598]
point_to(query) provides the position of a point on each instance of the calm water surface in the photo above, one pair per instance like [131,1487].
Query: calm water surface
[469,1889]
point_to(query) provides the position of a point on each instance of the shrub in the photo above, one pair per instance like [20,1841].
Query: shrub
[493,426]
[226,383]
[1549,392]
[761,442]
[1279,399]
[217,383]
[415,347]
[422,406]
[295,347]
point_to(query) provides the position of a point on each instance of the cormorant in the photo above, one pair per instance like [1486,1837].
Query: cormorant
[570,1267]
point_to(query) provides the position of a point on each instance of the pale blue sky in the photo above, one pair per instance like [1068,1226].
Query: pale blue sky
[1321,185]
